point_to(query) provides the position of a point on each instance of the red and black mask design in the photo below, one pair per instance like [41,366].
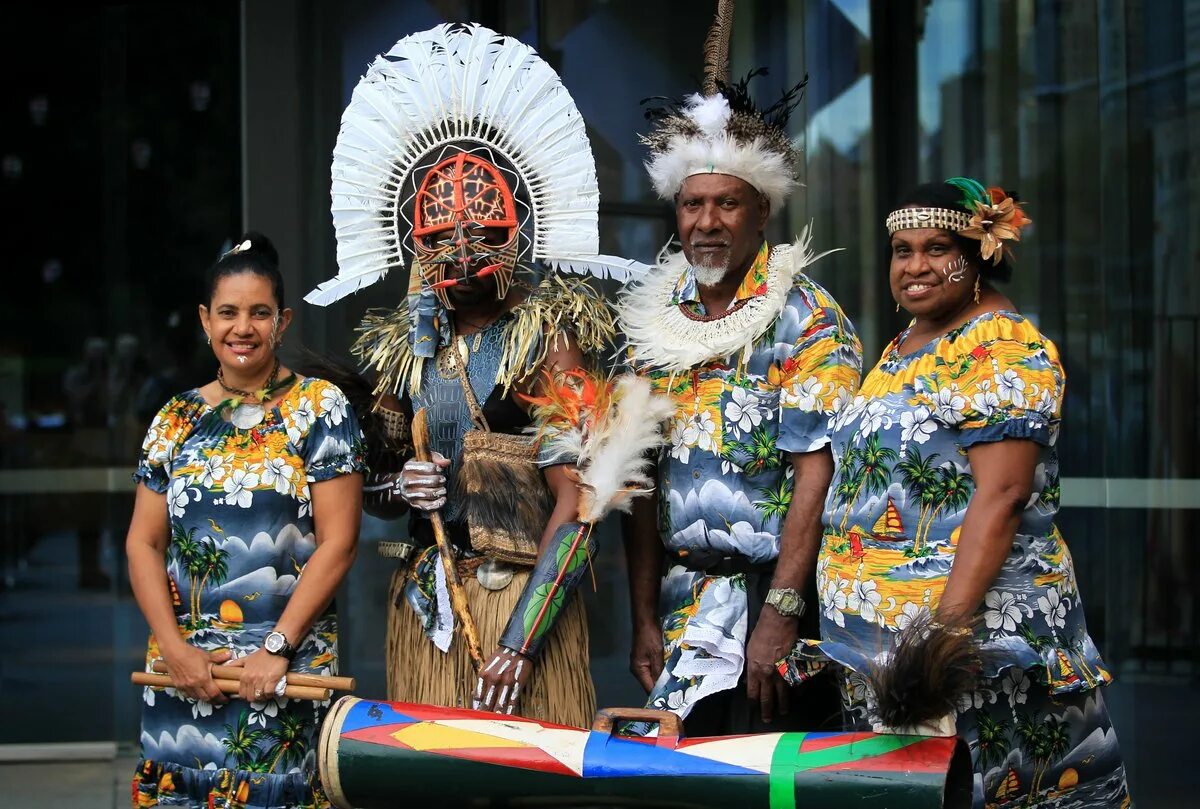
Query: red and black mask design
[465,225]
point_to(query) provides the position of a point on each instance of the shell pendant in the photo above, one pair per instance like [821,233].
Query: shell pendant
[247,415]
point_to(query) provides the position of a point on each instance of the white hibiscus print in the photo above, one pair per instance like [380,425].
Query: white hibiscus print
[1002,611]
[848,411]
[1011,387]
[806,395]
[976,699]
[864,598]
[742,411]
[1016,686]
[677,699]
[680,449]
[834,601]
[278,473]
[300,420]
[178,496]
[333,405]
[950,404]
[875,417]
[201,708]
[239,488]
[705,429]
[917,424]
[986,403]
[1054,607]
[259,711]
[213,471]
[910,612]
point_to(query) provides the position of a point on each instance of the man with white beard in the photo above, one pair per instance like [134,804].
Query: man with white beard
[758,357]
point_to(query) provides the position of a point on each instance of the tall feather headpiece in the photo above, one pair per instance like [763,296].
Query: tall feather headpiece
[466,85]
[721,130]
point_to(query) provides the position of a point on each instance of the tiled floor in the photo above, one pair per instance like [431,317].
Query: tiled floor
[81,785]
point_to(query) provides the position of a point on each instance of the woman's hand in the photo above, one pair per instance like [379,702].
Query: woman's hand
[191,672]
[263,674]
[499,685]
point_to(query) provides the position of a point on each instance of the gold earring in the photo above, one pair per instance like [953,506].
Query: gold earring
[977,289]
[208,340]
[897,306]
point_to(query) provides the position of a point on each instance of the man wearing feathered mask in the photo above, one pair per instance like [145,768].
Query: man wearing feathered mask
[757,357]
[462,149]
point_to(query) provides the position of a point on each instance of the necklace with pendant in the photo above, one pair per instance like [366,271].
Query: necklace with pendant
[247,408]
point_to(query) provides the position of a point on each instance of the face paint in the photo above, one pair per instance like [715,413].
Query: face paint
[464,226]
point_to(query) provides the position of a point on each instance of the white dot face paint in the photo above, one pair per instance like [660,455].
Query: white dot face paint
[242,360]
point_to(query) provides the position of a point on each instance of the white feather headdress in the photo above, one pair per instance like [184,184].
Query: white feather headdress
[464,84]
[721,131]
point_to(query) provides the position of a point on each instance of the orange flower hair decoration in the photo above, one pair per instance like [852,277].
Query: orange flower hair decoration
[997,217]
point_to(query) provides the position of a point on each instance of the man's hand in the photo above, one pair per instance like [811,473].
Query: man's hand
[646,657]
[499,685]
[422,484]
[772,640]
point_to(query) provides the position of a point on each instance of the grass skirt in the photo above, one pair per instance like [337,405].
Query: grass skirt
[559,690]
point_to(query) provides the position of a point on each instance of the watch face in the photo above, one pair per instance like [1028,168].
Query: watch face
[789,602]
[274,642]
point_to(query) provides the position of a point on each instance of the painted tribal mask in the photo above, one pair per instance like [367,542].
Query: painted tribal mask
[465,225]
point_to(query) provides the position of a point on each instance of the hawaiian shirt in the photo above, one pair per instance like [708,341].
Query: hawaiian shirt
[724,479]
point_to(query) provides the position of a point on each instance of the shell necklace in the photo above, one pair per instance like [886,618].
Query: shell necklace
[246,407]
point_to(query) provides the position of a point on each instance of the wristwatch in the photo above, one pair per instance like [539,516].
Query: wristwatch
[277,644]
[786,601]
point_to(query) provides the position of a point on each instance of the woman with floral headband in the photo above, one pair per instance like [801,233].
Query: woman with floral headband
[948,596]
[245,522]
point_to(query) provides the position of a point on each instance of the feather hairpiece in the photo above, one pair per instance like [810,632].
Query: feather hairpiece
[461,84]
[722,130]
[610,426]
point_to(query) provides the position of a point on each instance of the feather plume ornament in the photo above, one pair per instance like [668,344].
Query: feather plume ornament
[930,669]
[716,48]
[467,85]
[721,130]
[610,427]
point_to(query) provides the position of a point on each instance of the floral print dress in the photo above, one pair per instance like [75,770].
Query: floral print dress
[1037,727]
[241,531]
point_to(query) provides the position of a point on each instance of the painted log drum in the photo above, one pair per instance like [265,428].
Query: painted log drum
[386,754]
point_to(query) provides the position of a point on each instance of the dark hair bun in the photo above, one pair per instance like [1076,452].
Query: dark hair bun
[261,247]
[260,258]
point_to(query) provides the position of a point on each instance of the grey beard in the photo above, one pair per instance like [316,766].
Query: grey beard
[708,276]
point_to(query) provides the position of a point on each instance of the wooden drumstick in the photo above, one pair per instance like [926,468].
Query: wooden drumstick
[231,687]
[293,678]
[458,596]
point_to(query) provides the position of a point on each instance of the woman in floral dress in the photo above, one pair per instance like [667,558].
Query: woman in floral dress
[244,523]
[942,507]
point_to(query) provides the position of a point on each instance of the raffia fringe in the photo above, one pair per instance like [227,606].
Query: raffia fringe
[560,689]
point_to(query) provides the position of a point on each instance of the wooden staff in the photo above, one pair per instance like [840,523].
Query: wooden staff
[458,596]
[293,678]
[231,686]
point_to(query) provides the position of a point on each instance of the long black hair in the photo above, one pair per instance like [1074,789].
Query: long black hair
[944,195]
[260,258]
